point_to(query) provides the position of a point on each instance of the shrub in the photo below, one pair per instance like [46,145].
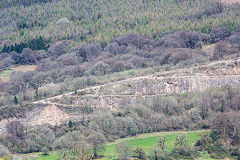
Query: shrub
[236,152]
[206,38]
[115,49]
[194,40]
[140,153]
[220,50]
[218,34]
[139,41]
[204,141]
[49,90]
[158,154]
[73,146]
[4,151]
[69,140]
[235,40]
[171,40]
[6,158]
[58,48]
[100,68]
[178,55]
[45,150]
[27,56]
[162,143]
[123,150]
[69,59]
[182,146]
[16,129]
[118,67]
[97,141]
[138,62]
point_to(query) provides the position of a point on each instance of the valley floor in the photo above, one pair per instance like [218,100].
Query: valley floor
[145,141]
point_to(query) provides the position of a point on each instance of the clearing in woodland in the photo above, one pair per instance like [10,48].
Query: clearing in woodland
[145,141]
[6,74]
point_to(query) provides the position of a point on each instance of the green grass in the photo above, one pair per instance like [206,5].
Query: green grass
[51,156]
[148,141]
[145,141]
[39,156]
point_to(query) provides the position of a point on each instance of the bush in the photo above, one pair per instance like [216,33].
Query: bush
[171,40]
[115,49]
[220,50]
[123,150]
[138,62]
[73,145]
[97,142]
[218,34]
[49,90]
[69,140]
[118,67]
[27,56]
[16,129]
[158,154]
[182,147]
[138,41]
[235,40]
[4,151]
[68,59]
[178,55]
[100,68]
[6,158]
[206,38]
[45,150]
[58,48]
[236,152]
[140,154]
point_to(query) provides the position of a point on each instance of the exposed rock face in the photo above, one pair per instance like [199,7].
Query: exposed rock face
[115,95]
[49,115]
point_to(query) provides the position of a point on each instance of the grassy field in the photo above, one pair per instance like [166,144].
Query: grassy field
[6,74]
[145,141]
[148,141]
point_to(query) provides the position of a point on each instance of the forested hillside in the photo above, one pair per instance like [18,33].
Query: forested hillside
[75,74]
[92,20]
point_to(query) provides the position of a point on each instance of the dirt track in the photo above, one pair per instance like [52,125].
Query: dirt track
[173,74]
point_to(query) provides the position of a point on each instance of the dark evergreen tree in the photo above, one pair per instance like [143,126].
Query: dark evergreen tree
[70,124]
[75,91]
[5,49]
[16,100]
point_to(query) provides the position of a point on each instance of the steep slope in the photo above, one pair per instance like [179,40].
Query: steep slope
[198,78]
[116,95]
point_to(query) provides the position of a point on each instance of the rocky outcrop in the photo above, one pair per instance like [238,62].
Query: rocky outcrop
[115,95]
[50,114]
[120,95]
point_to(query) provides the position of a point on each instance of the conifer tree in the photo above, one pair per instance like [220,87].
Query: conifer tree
[16,100]
[70,124]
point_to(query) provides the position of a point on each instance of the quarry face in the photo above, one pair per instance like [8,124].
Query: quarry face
[118,94]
